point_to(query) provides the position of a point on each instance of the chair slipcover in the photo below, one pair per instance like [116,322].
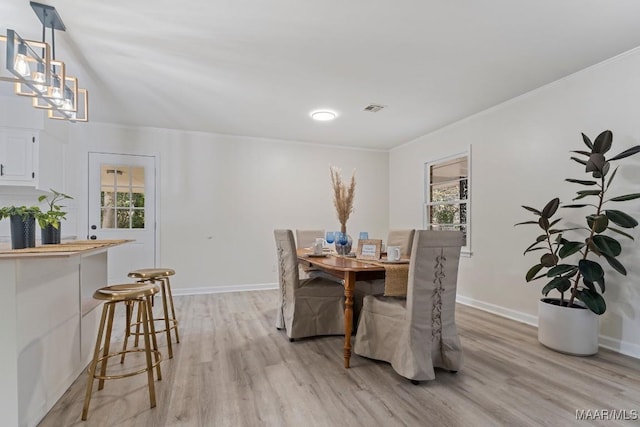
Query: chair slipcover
[402,238]
[306,307]
[418,333]
[306,238]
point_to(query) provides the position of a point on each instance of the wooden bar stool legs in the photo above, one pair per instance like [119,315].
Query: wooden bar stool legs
[127,293]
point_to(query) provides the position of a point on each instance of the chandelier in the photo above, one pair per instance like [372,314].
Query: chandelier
[36,73]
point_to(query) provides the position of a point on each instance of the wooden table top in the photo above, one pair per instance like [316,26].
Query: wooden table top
[336,262]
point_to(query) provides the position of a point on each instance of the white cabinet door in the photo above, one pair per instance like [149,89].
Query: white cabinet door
[16,157]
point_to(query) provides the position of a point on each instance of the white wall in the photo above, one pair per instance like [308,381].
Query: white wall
[520,156]
[221,197]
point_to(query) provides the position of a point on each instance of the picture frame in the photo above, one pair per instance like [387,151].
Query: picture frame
[369,249]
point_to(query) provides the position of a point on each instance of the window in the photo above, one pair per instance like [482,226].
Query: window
[122,196]
[447,196]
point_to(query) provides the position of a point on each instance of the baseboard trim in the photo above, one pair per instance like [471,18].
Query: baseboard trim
[225,289]
[500,311]
[613,344]
[620,346]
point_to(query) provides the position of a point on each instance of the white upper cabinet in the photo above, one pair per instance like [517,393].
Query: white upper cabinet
[31,158]
[17,150]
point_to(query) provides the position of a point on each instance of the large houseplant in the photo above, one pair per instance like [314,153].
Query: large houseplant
[23,225]
[572,265]
[49,220]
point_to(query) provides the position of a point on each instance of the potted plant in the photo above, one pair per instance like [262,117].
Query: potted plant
[49,220]
[23,225]
[572,264]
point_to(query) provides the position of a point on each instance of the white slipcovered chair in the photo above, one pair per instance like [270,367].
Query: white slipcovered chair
[307,307]
[417,333]
[402,238]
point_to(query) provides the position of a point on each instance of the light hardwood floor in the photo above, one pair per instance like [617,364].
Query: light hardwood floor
[233,368]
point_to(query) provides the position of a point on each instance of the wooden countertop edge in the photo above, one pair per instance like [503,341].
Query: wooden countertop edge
[78,250]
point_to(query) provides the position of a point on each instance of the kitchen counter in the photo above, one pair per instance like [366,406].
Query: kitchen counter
[49,322]
[69,248]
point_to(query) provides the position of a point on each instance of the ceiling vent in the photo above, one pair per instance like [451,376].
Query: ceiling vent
[374,108]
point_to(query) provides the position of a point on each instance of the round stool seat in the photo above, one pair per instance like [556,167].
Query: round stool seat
[150,273]
[126,291]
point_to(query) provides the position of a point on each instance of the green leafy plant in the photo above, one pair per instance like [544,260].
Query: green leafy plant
[22,211]
[580,277]
[55,213]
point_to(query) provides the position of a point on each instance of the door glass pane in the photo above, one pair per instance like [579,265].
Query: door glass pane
[137,218]
[122,196]
[123,199]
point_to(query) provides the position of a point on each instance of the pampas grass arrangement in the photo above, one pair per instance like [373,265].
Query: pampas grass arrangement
[342,196]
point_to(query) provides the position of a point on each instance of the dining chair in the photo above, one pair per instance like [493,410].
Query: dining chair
[306,238]
[418,333]
[402,238]
[307,307]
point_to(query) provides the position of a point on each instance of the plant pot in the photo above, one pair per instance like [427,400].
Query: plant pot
[50,235]
[23,232]
[567,330]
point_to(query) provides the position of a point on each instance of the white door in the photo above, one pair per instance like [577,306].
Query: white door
[122,201]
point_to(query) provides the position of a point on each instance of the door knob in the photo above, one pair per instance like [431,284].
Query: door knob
[93,227]
[93,237]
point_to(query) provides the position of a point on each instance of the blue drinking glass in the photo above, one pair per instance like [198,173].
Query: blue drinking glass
[330,237]
[364,235]
[341,238]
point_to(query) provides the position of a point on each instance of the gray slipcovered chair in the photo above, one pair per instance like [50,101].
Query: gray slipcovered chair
[307,307]
[417,333]
[402,238]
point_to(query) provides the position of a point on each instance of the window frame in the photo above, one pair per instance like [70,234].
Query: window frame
[127,207]
[426,220]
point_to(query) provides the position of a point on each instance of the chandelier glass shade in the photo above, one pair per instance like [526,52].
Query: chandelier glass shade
[35,72]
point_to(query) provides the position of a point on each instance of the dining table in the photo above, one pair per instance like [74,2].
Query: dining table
[348,269]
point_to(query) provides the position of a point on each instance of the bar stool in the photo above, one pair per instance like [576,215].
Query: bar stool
[153,275]
[112,295]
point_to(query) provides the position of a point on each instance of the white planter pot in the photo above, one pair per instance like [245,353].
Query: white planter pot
[568,330]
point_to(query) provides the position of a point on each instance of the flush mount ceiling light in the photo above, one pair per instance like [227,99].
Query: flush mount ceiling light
[323,115]
[39,75]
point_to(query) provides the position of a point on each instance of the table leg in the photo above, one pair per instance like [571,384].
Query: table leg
[349,285]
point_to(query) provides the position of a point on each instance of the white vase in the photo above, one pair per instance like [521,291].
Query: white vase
[568,330]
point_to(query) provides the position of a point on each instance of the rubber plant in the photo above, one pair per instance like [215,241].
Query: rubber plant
[573,267]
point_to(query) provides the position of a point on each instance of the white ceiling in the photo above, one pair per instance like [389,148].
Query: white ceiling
[258,68]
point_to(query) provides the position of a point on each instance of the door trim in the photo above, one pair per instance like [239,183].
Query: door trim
[156,223]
